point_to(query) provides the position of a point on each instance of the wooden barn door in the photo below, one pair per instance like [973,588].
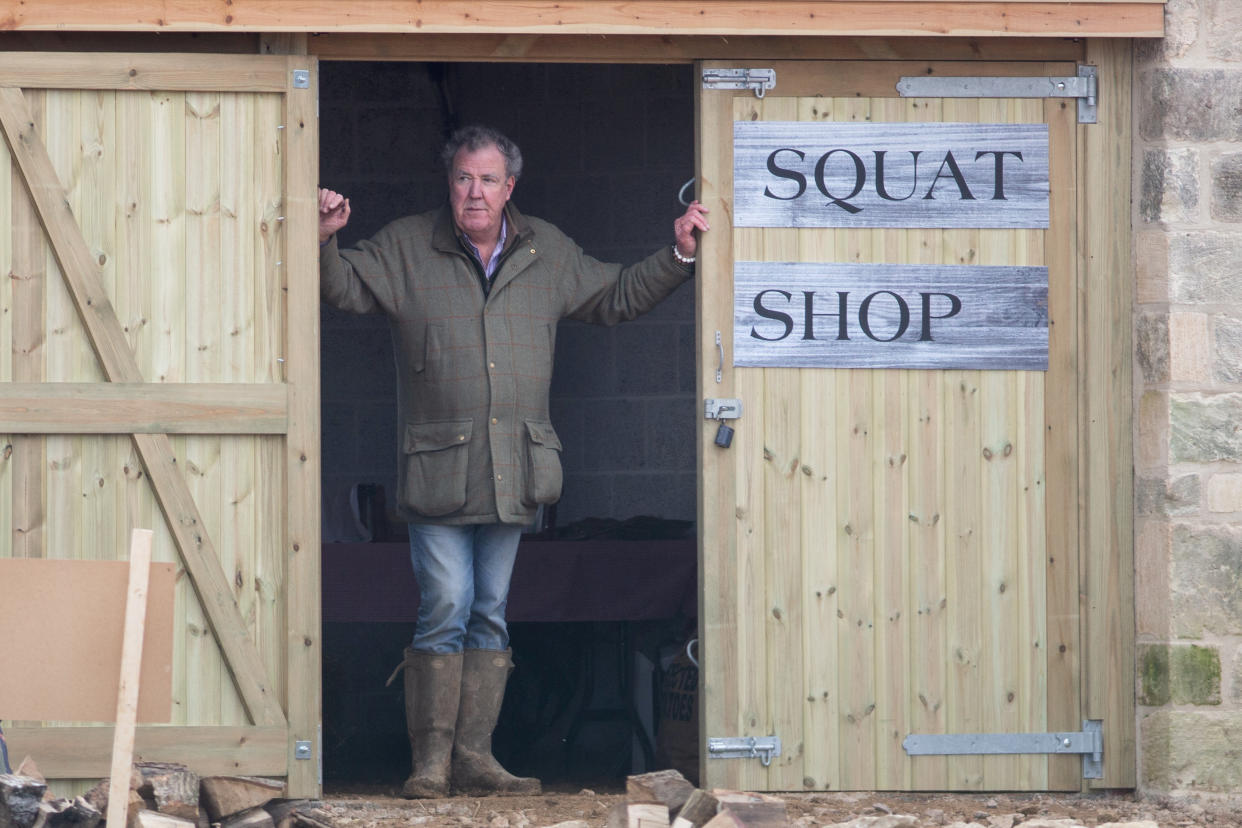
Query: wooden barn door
[159,369]
[889,552]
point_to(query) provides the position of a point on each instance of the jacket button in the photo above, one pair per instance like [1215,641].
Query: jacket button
[491,365]
[500,477]
[461,437]
[495,421]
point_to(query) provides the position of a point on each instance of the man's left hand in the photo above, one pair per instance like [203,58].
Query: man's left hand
[695,218]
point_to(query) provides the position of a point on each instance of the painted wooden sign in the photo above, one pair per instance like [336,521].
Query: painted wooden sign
[929,175]
[820,315]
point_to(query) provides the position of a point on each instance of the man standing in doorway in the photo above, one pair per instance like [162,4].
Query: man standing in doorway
[473,292]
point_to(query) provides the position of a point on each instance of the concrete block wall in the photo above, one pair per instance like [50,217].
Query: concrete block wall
[606,150]
[1188,370]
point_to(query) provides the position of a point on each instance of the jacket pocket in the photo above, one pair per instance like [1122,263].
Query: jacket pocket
[543,464]
[436,456]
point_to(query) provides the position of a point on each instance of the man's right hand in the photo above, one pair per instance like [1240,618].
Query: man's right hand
[333,213]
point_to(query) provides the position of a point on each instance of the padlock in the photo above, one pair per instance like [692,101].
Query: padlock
[724,435]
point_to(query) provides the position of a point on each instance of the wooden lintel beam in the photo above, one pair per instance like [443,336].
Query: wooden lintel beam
[128,71]
[143,408]
[680,48]
[107,337]
[954,18]
[84,752]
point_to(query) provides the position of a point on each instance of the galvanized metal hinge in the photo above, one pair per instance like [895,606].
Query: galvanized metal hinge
[1084,86]
[763,748]
[1089,742]
[301,79]
[757,80]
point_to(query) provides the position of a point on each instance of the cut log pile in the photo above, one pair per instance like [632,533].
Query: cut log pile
[160,795]
[666,799]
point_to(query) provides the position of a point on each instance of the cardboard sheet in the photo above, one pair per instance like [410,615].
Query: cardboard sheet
[61,624]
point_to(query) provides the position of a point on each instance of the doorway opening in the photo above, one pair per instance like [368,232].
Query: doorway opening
[607,150]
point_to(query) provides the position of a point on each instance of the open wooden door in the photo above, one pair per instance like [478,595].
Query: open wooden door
[888,551]
[160,370]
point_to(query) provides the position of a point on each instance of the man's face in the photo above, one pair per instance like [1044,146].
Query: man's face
[478,190]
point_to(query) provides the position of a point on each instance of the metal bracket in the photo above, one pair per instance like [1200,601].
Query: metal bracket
[1084,86]
[302,750]
[763,748]
[757,80]
[722,409]
[301,79]
[1089,742]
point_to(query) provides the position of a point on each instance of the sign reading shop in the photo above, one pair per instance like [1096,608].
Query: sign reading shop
[819,315]
[925,175]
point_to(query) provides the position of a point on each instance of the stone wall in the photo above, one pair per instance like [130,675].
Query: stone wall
[606,150]
[1188,372]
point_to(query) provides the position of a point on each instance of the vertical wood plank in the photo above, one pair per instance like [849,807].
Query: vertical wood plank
[754,714]
[717,516]
[302,469]
[1067,286]
[1106,418]
[131,666]
[28,266]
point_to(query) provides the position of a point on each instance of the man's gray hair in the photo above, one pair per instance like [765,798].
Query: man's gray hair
[476,137]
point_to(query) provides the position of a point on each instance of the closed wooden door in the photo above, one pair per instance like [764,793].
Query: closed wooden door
[160,370]
[889,551]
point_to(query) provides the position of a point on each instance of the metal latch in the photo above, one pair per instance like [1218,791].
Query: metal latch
[1084,86]
[763,748]
[722,409]
[1089,742]
[757,80]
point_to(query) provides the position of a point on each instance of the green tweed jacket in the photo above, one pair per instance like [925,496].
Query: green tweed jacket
[474,367]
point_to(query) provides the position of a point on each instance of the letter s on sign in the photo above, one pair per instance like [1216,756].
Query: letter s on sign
[781,172]
[768,313]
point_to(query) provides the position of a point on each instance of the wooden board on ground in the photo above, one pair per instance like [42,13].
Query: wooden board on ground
[224,796]
[63,620]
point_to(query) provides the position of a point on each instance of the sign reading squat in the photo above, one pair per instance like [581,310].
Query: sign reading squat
[928,175]
[816,315]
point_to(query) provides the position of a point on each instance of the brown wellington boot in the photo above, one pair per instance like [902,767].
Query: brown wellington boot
[475,771]
[432,691]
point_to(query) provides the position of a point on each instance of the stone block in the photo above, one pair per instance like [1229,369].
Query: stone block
[1224,19]
[1181,32]
[1235,677]
[1191,751]
[672,434]
[1227,367]
[1224,493]
[1227,187]
[659,494]
[1164,496]
[1196,105]
[1151,347]
[1205,580]
[646,359]
[1169,187]
[1179,674]
[584,496]
[585,361]
[1203,267]
[1190,357]
[1205,428]
[616,438]
[1152,449]
[1151,266]
[1151,578]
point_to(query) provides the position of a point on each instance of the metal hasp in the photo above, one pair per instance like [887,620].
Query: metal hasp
[1089,743]
[763,748]
[757,80]
[722,409]
[1084,87]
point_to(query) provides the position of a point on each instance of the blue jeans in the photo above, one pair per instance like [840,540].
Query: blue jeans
[463,579]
